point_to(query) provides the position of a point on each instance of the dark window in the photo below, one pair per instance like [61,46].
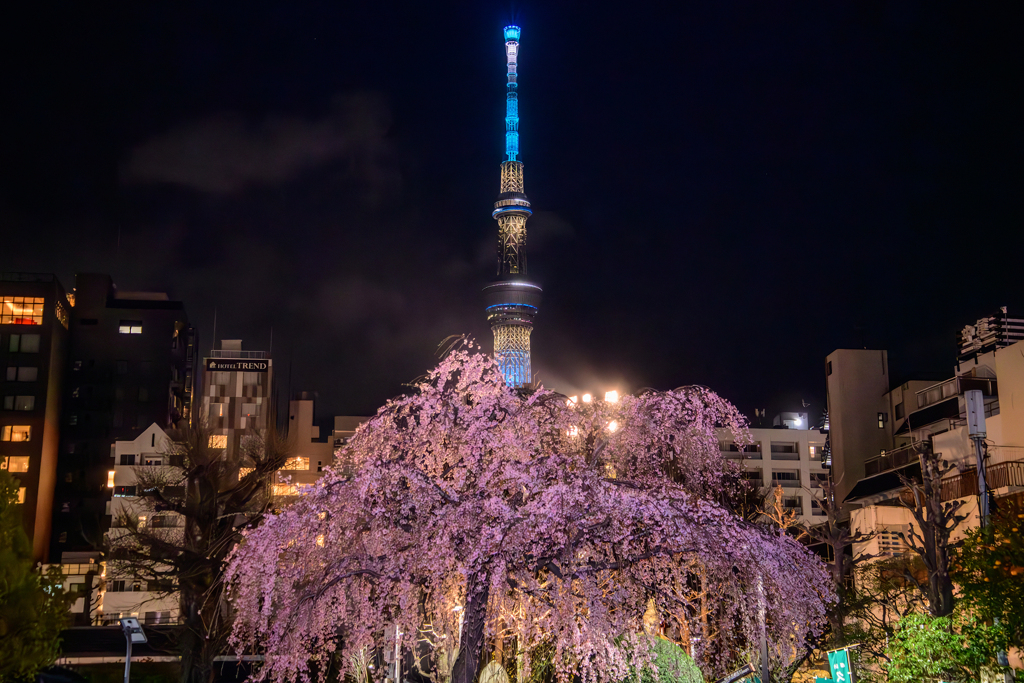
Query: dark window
[143,394]
[73,419]
[828,368]
[29,343]
[78,365]
[25,403]
[127,459]
[124,491]
[88,321]
[122,367]
[8,403]
[899,411]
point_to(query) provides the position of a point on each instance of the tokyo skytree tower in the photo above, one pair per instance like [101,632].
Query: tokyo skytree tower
[512,300]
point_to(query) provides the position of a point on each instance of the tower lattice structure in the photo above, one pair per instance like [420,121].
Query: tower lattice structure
[512,300]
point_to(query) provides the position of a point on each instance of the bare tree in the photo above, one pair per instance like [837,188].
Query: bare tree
[213,500]
[834,533]
[936,521]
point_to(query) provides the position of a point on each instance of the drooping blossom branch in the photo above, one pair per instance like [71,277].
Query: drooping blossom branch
[480,511]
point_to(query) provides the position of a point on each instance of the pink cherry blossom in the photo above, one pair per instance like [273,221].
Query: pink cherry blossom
[471,511]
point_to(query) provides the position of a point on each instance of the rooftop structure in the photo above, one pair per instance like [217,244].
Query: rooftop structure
[512,300]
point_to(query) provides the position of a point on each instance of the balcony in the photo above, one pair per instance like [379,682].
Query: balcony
[999,476]
[955,386]
[891,460]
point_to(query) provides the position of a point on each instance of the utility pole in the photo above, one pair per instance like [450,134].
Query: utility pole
[975,400]
[133,633]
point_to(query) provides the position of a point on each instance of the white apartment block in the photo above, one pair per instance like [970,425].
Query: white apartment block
[789,458]
[122,595]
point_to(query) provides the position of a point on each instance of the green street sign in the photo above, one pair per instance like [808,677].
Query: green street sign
[823,680]
[839,664]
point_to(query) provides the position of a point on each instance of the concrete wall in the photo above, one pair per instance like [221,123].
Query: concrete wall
[857,382]
[1009,367]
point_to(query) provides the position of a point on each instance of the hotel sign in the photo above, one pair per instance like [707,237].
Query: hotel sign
[237,365]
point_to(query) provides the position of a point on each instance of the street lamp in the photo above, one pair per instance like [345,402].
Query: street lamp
[133,633]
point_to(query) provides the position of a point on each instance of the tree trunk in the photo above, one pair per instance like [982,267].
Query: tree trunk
[200,640]
[468,662]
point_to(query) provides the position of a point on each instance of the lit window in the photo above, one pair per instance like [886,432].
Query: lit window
[218,441]
[124,491]
[245,471]
[142,521]
[882,417]
[17,463]
[284,490]
[21,310]
[17,433]
[813,449]
[587,398]
[62,313]
[110,479]
[130,327]
[21,495]
[296,463]
[24,402]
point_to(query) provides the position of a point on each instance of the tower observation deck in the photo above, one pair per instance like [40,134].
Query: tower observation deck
[512,300]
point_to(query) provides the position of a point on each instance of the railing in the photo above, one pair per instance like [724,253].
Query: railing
[998,476]
[226,353]
[890,460]
[786,483]
[736,455]
[955,386]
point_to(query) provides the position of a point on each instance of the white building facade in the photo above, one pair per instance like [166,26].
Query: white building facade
[786,458]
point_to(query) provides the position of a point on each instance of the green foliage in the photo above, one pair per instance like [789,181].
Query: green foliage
[672,663]
[989,569]
[953,648]
[33,608]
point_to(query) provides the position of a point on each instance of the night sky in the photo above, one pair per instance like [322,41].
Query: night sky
[723,193]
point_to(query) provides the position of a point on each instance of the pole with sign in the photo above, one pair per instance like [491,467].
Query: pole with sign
[839,665]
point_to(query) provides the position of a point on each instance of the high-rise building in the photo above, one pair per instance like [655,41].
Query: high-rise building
[237,386]
[34,315]
[512,300]
[131,364]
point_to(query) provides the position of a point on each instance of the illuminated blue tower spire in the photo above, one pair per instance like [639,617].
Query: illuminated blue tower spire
[512,301]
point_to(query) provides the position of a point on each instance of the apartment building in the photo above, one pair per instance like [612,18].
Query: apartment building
[935,413]
[308,456]
[784,457]
[34,319]
[131,363]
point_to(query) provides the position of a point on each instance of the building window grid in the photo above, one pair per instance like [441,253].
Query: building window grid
[21,310]
[130,327]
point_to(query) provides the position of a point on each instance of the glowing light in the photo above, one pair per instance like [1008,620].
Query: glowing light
[611,396]
[587,398]
[320,540]
[613,426]
[573,431]
[512,32]
[110,479]
[797,421]
[457,608]
[573,400]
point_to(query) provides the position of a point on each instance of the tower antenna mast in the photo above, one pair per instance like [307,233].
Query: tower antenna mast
[512,301]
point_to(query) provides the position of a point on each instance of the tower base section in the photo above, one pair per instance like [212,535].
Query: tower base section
[512,353]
